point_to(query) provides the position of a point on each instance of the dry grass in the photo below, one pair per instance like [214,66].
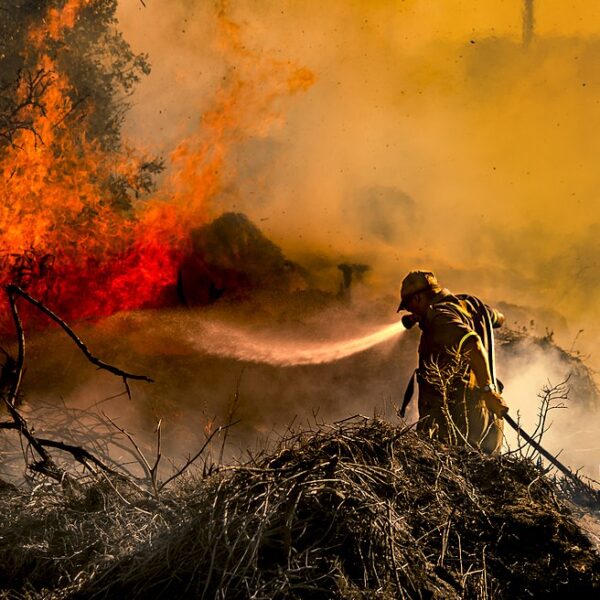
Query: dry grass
[357,510]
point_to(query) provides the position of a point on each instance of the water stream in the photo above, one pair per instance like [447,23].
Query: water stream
[224,341]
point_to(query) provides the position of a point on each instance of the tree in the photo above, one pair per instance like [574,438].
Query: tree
[91,56]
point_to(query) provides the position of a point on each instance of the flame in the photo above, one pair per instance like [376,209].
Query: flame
[62,237]
[57,21]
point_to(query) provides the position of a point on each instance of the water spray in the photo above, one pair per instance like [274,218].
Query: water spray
[232,343]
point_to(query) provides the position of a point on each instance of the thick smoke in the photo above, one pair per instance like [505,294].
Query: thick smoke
[431,136]
[199,381]
[197,388]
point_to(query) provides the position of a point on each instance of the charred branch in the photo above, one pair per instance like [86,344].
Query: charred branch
[192,459]
[46,464]
[19,116]
[13,290]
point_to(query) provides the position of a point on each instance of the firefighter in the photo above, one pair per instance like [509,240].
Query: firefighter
[458,398]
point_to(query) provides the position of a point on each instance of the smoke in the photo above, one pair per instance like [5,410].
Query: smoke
[532,371]
[266,369]
[430,137]
[455,136]
[201,378]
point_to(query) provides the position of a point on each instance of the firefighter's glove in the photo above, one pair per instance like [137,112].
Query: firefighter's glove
[494,402]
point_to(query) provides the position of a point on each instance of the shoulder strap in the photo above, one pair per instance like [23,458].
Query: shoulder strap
[484,327]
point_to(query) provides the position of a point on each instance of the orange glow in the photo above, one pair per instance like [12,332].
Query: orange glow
[64,240]
[61,237]
[57,21]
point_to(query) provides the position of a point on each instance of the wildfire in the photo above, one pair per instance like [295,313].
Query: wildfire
[63,238]
[57,21]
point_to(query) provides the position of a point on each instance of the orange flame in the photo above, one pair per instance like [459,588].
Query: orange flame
[61,235]
[57,21]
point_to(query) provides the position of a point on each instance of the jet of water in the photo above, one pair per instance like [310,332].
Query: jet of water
[224,341]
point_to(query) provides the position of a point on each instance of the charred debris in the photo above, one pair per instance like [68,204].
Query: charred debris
[355,509]
[358,509]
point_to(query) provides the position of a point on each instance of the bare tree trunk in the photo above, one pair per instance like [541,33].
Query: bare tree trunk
[528,22]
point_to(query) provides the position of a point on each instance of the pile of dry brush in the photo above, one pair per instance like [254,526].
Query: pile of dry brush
[360,509]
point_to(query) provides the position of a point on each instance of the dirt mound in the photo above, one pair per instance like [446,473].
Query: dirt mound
[231,256]
[357,510]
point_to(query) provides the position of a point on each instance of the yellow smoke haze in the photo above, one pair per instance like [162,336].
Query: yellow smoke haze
[423,134]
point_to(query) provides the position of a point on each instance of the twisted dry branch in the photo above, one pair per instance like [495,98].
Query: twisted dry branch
[46,464]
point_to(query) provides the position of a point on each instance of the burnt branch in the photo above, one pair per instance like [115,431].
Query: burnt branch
[81,455]
[445,376]
[551,397]
[19,116]
[13,290]
[151,471]
[46,464]
[231,414]
[71,110]
[192,459]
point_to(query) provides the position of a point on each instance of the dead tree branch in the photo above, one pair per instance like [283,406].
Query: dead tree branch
[551,397]
[151,471]
[446,376]
[46,465]
[231,414]
[82,456]
[19,116]
[13,290]
[193,459]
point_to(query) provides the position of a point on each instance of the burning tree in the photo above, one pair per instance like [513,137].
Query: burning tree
[76,232]
[79,40]
[70,185]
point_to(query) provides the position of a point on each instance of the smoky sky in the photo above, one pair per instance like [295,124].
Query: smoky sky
[432,136]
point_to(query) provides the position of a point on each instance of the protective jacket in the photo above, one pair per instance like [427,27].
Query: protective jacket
[449,404]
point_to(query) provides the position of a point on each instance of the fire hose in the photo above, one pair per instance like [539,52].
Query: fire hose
[533,443]
[410,320]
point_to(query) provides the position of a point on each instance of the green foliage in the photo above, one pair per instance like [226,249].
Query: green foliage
[97,60]
[100,66]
